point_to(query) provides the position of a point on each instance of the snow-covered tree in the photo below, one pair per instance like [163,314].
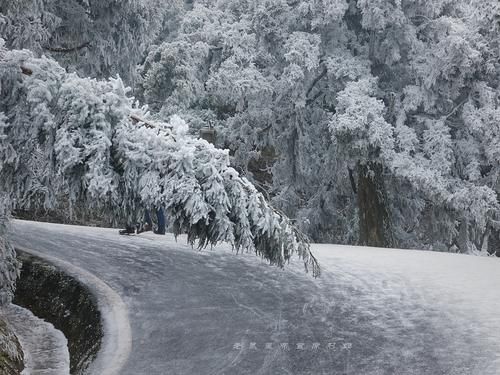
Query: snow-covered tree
[9,266]
[244,69]
[96,38]
[372,122]
[86,140]
[366,121]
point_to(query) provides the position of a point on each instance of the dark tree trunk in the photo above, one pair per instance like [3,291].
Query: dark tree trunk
[494,242]
[374,220]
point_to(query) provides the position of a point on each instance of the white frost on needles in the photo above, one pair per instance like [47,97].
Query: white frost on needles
[86,141]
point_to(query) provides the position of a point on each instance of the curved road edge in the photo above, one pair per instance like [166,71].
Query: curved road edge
[117,340]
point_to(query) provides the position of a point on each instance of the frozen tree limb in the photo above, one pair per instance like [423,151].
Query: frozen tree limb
[67,50]
[92,152]
[26,71]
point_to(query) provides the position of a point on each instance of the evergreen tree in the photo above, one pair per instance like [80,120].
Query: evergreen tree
[96,38]
[88,141]
[368,117]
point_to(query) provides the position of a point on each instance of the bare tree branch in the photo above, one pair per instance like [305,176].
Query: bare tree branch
[66,50]
[313,99]
[26,71]
[136,119]
[352,180]
[316,80]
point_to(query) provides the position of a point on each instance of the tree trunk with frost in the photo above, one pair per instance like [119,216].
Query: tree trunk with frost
[374,219]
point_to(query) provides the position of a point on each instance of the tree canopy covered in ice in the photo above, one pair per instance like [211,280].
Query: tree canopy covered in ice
[87,141]
[376,122]
[97,38]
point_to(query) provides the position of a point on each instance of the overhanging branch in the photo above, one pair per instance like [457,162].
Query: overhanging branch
[26,71]
[65,49]
[316,80]
[136,119]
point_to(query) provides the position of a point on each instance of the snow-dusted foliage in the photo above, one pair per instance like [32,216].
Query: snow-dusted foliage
[96,38]
[87,141]
[256,71]
[307,94]
[9,266]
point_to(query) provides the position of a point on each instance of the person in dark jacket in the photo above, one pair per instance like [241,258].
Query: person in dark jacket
[147,224]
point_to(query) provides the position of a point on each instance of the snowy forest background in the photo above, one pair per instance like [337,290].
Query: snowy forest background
[371,122]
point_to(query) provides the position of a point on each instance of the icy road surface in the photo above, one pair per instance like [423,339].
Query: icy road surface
[373,311]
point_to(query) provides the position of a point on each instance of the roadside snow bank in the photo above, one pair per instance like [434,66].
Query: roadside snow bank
[466,286]
[45,348]
[116,342]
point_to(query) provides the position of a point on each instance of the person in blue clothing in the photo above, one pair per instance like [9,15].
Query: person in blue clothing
[148,222]
[147,225]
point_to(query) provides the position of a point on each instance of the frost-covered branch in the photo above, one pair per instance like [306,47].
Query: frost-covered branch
[9,266]
[62,135]
[67,50]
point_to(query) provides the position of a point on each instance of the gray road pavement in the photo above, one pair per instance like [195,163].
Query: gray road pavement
[215,312]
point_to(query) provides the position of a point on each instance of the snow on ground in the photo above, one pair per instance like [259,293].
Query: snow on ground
[373,311]
[45,348]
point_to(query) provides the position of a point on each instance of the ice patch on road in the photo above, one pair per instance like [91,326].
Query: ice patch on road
[45,348]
